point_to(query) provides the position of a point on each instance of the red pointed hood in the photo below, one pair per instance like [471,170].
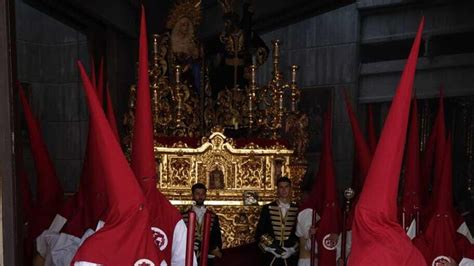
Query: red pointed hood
[74,211]
[315,198]
[372,136]
[111,114]
[440,140]
[411,190]
[126,237]
[328,175]
[50,192]
[440,238]
[330,222]
[143,159]
[434,159]
[428,156]
[377,237]
[444,198]
[362,151]
[90,202]
[163,215]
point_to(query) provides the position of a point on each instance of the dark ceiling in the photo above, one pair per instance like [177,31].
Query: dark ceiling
[123,14]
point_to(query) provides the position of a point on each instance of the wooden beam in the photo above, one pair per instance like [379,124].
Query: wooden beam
[9,242]
[80,14]
[269,14]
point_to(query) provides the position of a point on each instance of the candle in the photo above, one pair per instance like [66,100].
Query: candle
[205,238]
[313,224]
[155,44]
[190,239]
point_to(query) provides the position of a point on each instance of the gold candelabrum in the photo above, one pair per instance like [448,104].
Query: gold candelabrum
[268,111]
[178,97]
[233,173]
[240,176]
[175,106]
[266,104]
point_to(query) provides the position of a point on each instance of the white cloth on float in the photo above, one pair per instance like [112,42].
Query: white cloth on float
[464,230]
[466,262]
[49,236]
[59,248]
[411,232]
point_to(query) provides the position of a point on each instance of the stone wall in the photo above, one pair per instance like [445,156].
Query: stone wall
[446,58]
[325,48]
[363,48]
[47,51]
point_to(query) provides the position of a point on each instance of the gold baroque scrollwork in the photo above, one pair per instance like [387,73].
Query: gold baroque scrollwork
[237,224]
[232,110]
[180,170]
[251,171]
[228,172]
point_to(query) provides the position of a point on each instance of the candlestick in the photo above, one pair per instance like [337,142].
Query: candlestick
[190,239]
[313,238]
[205,238]
[348,194]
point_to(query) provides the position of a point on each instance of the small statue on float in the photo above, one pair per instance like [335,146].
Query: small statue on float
[229,57]
[185,49]
[236,48]
[176,75]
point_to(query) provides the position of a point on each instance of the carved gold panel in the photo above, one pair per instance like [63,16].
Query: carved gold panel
[228,172]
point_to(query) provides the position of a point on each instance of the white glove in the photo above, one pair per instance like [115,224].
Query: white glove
[271,250]
[197,245]
[197,248]
[288,252]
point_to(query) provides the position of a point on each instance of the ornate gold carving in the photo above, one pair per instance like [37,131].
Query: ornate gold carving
[251,171]
[237,224]
[180,169]
[266,111]
[228,172]
[183,105]
[232,110]
[296,129]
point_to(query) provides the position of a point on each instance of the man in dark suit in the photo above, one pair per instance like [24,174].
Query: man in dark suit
[276,228]
[199,192]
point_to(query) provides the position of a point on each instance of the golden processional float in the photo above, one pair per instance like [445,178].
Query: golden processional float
[192,127]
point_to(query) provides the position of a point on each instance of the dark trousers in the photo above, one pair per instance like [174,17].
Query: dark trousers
[270,260]
[210,262]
